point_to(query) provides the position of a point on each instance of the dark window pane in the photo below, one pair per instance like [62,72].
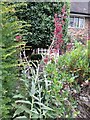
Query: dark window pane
[71,22]
[76,22]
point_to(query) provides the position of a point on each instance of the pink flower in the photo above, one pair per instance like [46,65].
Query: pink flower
[18,37]
[63,10]
[55,51]
[63,22]
[51,58]
[58,28]
[55,15]
[61,41]
[45,60]
[51,51]
[69,46]
[88,37]
[59,36]
[58,32]
[65,17]
[57,46]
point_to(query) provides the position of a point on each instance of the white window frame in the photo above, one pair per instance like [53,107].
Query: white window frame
[79,24]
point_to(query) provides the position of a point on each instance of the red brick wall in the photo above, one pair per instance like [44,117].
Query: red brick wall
[81,33]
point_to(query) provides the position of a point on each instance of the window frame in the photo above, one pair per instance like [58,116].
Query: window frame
[78,22]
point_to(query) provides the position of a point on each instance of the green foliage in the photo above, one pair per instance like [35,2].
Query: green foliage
[71,69]
[41,17]
[8,76]
[50,94]
[34,102]
[76,62]
[33,92]
[9,25]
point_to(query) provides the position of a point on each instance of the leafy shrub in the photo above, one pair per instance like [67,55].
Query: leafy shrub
[9,75]
[40,15]
[9,26]
[70,69]
[76,63]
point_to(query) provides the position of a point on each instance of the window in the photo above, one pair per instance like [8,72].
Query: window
[77,22]
[81,22]
[71,22]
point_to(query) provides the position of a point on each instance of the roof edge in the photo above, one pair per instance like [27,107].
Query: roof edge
[79,13]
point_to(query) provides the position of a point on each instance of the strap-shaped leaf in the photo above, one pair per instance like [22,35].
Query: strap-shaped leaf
[21,118]
[44,106]
[18,111]
[18,96]
[23,101]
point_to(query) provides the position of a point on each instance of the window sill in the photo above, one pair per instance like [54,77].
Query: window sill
[75,28]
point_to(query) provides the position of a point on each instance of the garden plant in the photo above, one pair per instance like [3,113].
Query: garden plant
[47,89]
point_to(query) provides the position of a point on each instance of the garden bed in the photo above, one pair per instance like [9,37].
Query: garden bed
[83,99]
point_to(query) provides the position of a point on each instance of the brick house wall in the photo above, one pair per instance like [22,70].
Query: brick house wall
[80,9]
[81,34]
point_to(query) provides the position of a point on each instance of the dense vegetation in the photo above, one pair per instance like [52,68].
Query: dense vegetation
[51,93]
[41,18]
[66,75]
[10,25]
[28,92]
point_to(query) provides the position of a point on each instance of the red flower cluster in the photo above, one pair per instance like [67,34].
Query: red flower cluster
[59,21]
[52,56]
[46,59]
[58,32]
[18,38]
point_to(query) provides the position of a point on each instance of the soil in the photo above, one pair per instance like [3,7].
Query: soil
[83,99]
